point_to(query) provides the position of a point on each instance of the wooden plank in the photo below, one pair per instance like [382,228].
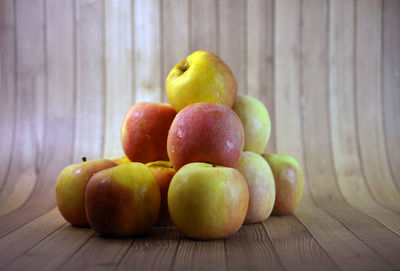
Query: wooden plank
[30,105]
[260,54]
[341,244]
[59,85]
[368,103]
[251,249]
[53,250]
[22,239]
[204,16]
[158,254]
[90,80]
[343,132]
[147,51]
[8,75]
[391,83]
[98,253]
[295,246]
[233,39]
[175,35]
[200,255]
[119,72]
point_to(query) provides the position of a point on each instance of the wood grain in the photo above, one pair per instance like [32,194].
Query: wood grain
[328,72]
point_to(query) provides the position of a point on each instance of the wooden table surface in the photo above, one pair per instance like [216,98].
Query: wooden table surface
[328,72]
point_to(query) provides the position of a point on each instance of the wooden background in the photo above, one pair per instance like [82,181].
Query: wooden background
[328,72]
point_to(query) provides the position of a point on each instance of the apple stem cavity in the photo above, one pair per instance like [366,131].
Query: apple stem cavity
[185,66]
[84,159]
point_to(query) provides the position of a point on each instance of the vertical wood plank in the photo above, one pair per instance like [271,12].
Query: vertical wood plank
[30,115]
[391,83]
[7,85]
[119,72]
[147,51]
[260,50]
[90,88]
[344,138]
[175,36]
[333,236]
[203,16]
[369,102]
[233,36]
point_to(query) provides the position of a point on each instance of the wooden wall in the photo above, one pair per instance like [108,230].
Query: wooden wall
[328,72]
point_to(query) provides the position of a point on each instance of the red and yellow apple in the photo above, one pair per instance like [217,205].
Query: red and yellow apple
[256,123]
[289,182]
[205,132]
[202,77]
[207,201]
[163,171]
[144,131]
[123,200]
[71,187]
[261,184]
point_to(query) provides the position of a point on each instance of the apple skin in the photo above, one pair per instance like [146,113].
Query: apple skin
[207,201]
[256,123]
[71,187]
[122,160]
[163,171]
[289,182]
[144,131]
[202,77]
[261,184]
[205,132]
[123,200]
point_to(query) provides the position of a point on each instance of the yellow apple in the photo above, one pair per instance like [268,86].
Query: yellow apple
[123,200]
[256,122]
[202,77]
[208,202]
[260,181]
[289,182]
[122,160]
[71,187]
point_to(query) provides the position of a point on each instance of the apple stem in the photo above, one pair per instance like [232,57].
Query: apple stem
[84,159]
[185,66]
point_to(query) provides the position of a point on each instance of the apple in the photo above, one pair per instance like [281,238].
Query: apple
[261,184]
[163,171]
[256,122]
[144,131]
[71,186]
[123,200]
[207,201]
[122,160]
[202,77]
[289,182]
[205,132]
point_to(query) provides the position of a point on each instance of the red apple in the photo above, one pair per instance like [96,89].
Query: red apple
[71,187]
[164,172]
[144,131]
[123,200]
[205,132]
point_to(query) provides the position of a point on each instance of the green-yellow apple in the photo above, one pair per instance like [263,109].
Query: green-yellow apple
[163,171]
[260,181]
[122,160]
[71,187]
[144,131]
[202,77]
[205,132]
[208,202]
[123,200]
[289,182]
[256,122]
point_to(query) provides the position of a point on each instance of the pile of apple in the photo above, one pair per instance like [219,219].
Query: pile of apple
[196,163]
